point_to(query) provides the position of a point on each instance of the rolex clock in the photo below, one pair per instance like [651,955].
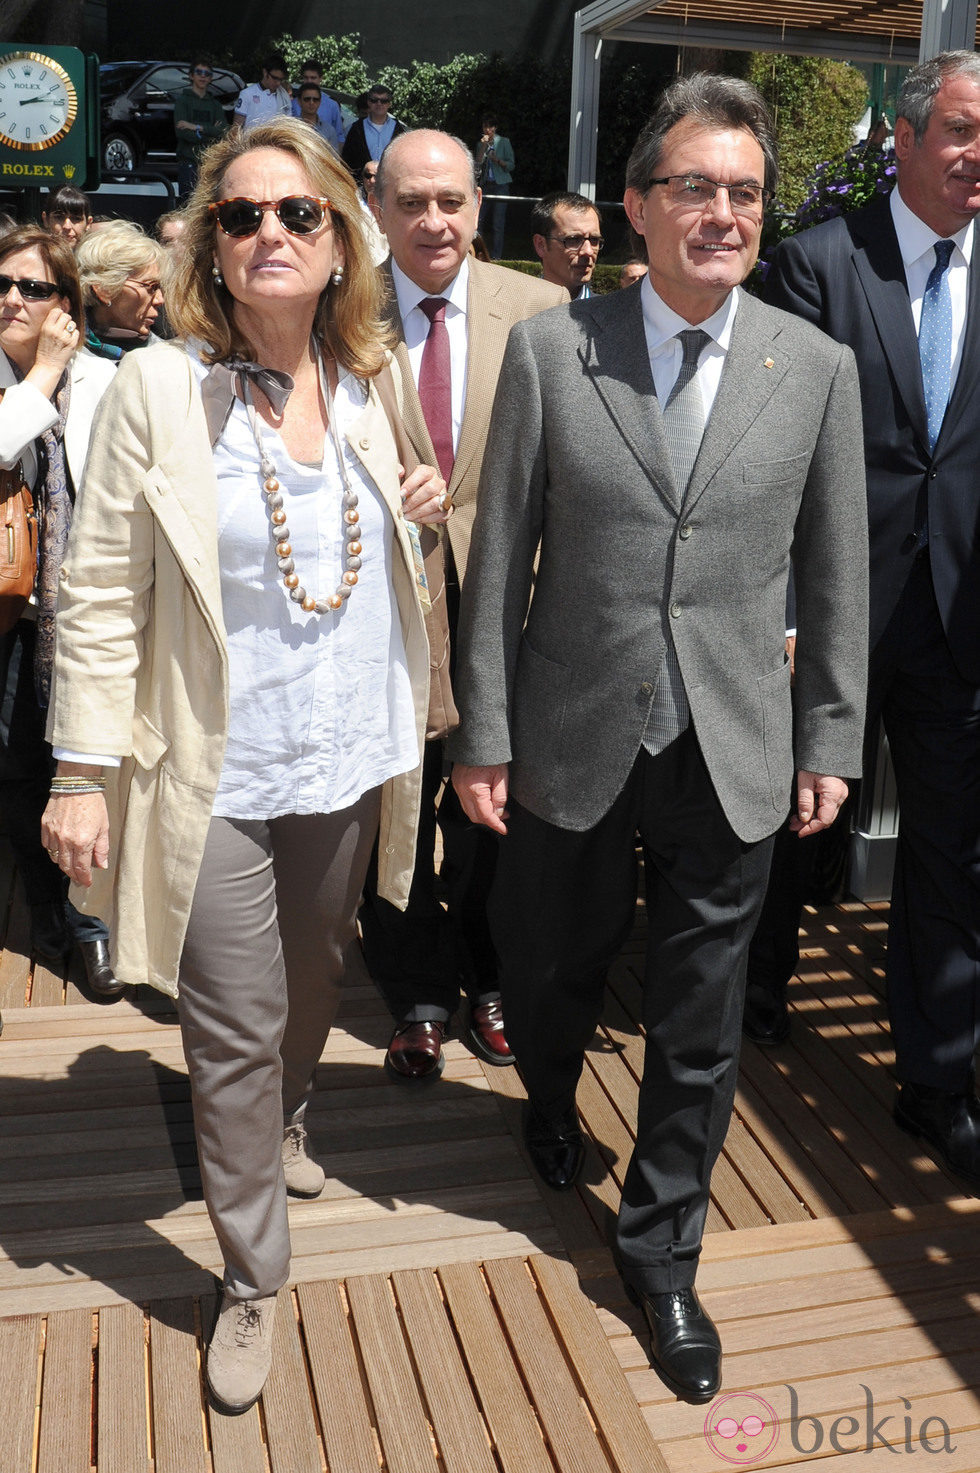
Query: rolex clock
[46,116]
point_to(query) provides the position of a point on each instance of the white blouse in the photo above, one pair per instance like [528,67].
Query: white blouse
[320,704]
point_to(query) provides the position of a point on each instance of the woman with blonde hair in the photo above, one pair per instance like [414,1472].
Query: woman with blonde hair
[120,269]
[244,585]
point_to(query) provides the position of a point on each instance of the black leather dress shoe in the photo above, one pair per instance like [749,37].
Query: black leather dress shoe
[98,969]
[766,1016]
[50,937]
[556,1149]
[685,1349]
[948,1121]
[415,1052]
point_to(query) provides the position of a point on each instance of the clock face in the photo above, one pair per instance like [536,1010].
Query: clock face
[38,101]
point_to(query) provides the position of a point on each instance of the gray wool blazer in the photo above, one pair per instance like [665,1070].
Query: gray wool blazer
[577,460]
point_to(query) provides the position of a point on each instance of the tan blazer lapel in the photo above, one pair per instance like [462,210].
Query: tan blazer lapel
[488,329]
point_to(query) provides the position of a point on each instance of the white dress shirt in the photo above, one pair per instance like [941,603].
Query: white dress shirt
[661,324]
[917,242]
[415,326]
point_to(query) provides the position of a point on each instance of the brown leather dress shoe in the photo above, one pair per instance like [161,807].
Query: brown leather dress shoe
[486,1033]
[415,1052]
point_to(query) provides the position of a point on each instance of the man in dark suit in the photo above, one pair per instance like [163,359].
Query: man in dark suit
[429,201]
[666,446]
[899,281]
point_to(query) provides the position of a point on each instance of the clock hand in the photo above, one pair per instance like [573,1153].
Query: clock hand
[42,97]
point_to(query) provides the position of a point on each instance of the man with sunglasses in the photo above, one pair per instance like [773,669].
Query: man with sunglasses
[67,213]
[370,136]
[567,235]
[329,117]
[655,459]
[199,119]
[269,98]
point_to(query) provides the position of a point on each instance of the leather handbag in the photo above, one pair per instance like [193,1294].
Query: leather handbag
[18,547]
[442,715]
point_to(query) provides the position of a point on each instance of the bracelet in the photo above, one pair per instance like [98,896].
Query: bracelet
[74,792]
[62,785]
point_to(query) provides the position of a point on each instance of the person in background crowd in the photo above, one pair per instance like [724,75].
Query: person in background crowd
[494,172]
[567,235]
[451,316]
[370,136]
[68,213]
[308,98]
[120,269]
[631,271]
[199,119]
[268,98]
[377,240]
[262,724]
[331,118]
[7,223]
[50,389]
[169,231]
[656,456]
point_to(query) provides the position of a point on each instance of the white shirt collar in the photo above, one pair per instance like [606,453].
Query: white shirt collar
[409,294]
[915,237]
[662,323]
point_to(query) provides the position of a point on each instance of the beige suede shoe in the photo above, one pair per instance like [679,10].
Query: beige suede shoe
[304,1176]
[240,1353]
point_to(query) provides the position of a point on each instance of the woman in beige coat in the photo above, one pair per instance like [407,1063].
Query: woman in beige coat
[260,726]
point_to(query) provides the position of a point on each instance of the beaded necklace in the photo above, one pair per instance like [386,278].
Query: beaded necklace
[278,528]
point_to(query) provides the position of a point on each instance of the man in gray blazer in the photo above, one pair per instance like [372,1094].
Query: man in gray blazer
[669,447]
[427,191]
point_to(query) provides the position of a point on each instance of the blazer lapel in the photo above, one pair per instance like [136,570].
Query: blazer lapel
[487,331]
[614,356]
[755,365]
[881,272]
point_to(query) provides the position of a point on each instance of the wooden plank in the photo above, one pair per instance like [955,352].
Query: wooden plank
[613,1406]
[175,1385]
[338,1382]
[236,1441]
[290,1425]
[20,1350]
[568,1431]
[122,1440]
[460,1433]
[47,986]
[402,1422]
[516,1435]
[65,1442]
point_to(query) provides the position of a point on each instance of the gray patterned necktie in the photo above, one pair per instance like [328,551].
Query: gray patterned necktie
[683,414]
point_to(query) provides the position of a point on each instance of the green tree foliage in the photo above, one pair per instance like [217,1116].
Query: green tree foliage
[816,103]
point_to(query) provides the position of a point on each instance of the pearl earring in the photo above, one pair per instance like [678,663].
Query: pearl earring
[337,275]
[216,273]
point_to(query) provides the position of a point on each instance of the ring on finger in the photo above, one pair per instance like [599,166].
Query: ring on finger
[54,853]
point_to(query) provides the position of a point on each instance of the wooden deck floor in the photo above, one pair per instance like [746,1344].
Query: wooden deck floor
[433,1322]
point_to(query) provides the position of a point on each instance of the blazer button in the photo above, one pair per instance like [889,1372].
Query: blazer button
[646,689]
[675,611]
[365,444]
[685,531]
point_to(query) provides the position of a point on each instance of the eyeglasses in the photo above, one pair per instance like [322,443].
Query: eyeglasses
[300,214]
[203,71]
[276,77]
[150,287]
[60,216]
[576,242]
[695,192]
[30,290]
[384,101]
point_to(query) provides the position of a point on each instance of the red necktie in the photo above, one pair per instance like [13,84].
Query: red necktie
[436,384]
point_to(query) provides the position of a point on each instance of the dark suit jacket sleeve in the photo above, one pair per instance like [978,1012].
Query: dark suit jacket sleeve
[505,539]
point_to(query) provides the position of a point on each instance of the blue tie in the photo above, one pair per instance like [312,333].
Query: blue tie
[936,340]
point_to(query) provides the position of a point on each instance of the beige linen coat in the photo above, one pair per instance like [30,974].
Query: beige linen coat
[141,665]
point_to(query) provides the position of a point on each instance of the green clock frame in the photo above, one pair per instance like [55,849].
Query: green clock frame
[69,153]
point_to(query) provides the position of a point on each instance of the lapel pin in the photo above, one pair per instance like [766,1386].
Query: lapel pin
[770,363]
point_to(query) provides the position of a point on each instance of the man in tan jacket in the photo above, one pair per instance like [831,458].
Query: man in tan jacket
[452,315]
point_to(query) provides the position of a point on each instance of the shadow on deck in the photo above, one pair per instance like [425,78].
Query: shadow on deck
[434,1322]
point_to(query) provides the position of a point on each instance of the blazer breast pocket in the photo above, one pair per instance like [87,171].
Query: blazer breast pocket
[775,472]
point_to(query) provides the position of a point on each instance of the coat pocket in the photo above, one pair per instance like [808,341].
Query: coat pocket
[149,745]
[777,732]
